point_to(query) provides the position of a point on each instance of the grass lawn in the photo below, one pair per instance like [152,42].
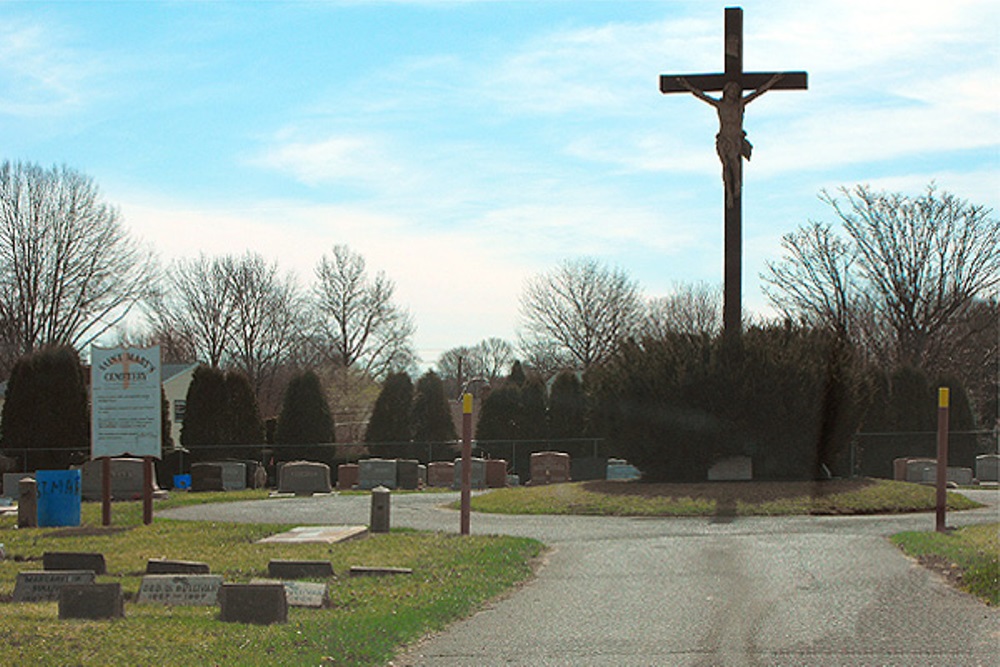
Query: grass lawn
[369,619]
[969,557]
[618,498]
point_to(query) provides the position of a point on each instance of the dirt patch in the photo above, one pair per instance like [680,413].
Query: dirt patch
[729,492]
[943,566]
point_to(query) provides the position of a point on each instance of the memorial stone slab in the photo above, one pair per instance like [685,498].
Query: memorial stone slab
[988,468]
[74,560]
[921,470]
[91,601]
[496,473]
[732,469]
[304,478]
[316,535]
[165,566]
[440,473]
[302,593]
[960,476]
[206,477]
[620,469]
[478,469]
[348,476]
[550,468]
[407,474]
[299,569]
[10,483]
[366,571]
[44,586]
[196,590]
[377,472]
[261,604]
[234,475]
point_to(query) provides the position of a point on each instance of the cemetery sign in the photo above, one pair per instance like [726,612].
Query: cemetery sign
[127,417]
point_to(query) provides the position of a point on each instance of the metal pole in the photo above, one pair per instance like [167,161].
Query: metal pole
[942,459]
[466,462]
[106,491]
[147,490]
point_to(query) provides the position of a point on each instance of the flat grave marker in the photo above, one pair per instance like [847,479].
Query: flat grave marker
[45,586]
[316,535]
[302,593]
[74,560]
[195,590]
[91,601]
[261,604]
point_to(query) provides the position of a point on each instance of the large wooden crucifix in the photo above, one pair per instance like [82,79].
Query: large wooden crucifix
[732,145]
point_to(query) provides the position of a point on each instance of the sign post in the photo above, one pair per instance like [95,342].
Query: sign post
[126,418]
[942,459]
[466,462]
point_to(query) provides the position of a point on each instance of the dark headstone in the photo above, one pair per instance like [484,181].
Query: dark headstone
[407,474]
[347,476]
[377,472]
[261,604]
[91,601]
[550,468]
[304,478]
[496,473]
[72,560]
[27,504]
[300,569]
[164,566]
[206,477]
[440,473]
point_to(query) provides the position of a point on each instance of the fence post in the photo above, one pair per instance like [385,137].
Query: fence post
[942,459]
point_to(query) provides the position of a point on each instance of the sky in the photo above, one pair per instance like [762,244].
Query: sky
[464,147]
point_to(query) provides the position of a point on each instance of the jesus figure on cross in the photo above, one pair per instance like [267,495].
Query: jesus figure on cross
[731,142]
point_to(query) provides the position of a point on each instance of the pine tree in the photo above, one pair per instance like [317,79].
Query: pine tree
[390,420]
[46,409]
[305,420]
[431,417]
[244,427]
[567,407]
[205,415]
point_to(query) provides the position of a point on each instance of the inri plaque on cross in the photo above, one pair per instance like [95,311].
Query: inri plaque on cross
[731,143]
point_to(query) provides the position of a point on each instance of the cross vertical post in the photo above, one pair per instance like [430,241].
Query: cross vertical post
[732,146]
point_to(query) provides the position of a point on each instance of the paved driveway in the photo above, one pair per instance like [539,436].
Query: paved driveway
[754,591]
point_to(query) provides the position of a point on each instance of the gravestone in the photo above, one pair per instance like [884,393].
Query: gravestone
[921,470]
[299,569]
[732,469]
[35,586]
[195,590]
[550,468]
[496,473]
[620,469]
[27,504]
[165,566]
[58,498]
[126,479]
[477,467]
[261,604]
[234,475]
[10,486]
[407,474]
[377,472]
[348,476]
[422,474]
[364,571]
[91,601]
[988,468]
[440,473]
[206,477]
[74,560]
[304,478]
[310,594]
[959,476]
[381,506]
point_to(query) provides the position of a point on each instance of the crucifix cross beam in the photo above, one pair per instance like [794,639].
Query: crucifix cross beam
[731,144]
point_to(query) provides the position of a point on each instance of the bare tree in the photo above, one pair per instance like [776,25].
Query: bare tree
[69,270]
[908,268]
[487,360]
[691,309]
[194,307]
[267,317]
[579,311]
[357,319]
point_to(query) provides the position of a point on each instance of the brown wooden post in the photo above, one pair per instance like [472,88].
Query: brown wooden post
[106,491]
[466,462]
[147,490]
[942,459]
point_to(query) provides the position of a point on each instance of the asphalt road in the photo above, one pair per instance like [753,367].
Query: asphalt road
[697,592]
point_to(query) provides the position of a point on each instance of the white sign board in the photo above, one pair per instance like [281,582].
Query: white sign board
[126,417]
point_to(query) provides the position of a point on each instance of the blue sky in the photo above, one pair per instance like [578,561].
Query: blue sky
[463,147]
